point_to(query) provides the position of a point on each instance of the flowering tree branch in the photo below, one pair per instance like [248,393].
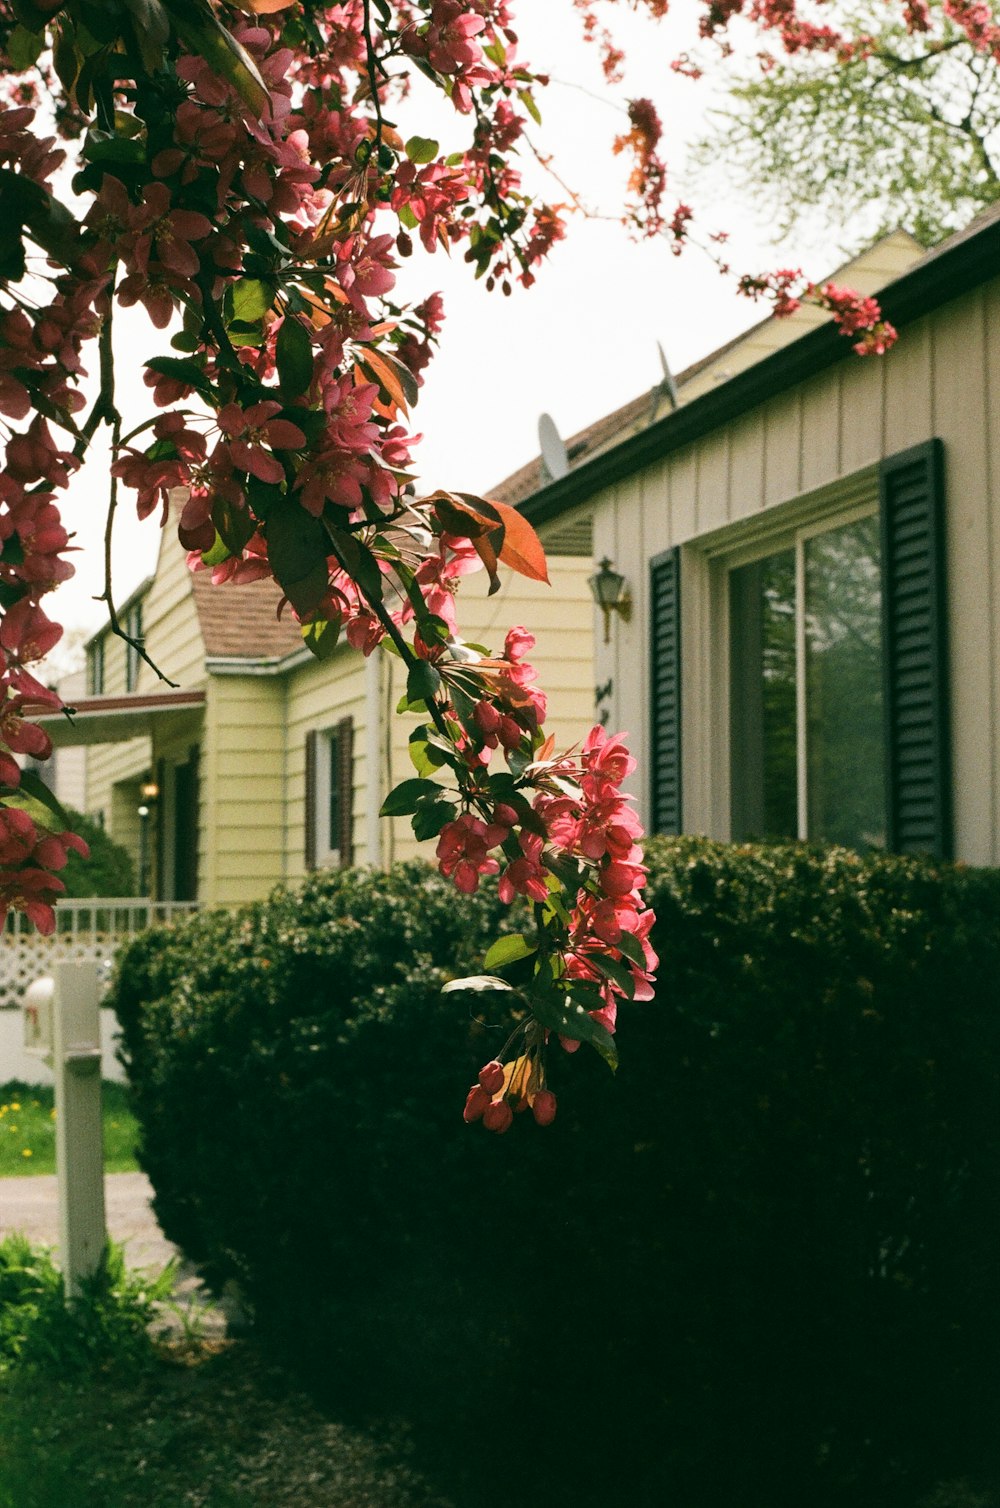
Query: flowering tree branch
[246,186]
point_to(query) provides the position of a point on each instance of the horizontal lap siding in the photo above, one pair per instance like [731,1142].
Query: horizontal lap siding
[243,788]
[319,695]
[174,643]
[561,618]
[943,379]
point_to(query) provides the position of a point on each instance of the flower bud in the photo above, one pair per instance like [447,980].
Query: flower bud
[498,1117]
[486,716]
[491,1077]
[544,1107]
[477,1102]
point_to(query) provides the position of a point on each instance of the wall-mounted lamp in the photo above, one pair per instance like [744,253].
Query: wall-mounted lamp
[149,790]
[609,590]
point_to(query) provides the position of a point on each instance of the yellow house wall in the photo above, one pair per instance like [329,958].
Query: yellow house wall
[319,695]
[242,788]
[174,642]
[942,379]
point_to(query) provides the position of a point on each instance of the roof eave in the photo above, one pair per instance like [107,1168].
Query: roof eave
[914,294]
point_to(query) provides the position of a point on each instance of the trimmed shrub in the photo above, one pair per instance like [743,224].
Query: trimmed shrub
[756,1268]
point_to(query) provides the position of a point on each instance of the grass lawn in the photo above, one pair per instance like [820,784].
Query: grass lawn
[28,1130]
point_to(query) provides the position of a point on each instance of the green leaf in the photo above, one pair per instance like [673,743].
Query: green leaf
[422,682]
[33,785]
[528,101]
[294,356]
[405,798]
[249,300]
[321,637]
[204,33]
[296,549]
[478,984]
[430,817]
[573,1020]
[632,948]
[616,972]
[236,525]
[188,372]
[421,149]
[24,48]
[219,552]
[360,563]
[508,950]
[424,755]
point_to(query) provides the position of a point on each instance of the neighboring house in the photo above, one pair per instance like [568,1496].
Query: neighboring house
[261,762]
[812,545]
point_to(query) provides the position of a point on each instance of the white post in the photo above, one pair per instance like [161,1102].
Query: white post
[76,1043]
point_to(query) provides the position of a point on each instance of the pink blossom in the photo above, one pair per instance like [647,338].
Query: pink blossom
[249,431]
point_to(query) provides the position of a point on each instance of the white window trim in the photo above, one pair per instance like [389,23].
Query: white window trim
[326,857]
[705,671]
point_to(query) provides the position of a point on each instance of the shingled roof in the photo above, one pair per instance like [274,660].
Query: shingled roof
[653,404]
[241,622]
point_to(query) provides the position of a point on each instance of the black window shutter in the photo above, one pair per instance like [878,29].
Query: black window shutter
[345,781]
[310,800]
[665,692]
[915,666]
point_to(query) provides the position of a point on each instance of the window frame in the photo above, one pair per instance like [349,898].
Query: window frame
[327,753]
[133,627]
[788,528]
[95,668]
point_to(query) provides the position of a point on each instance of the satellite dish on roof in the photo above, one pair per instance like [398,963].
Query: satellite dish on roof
[668,385]
[554,457]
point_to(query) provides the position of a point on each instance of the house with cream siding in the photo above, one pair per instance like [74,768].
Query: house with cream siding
[812,547]
[253,761]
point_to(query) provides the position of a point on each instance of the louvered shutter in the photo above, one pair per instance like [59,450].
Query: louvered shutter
[665,692]
[917,765]
[310,800]
[345,789]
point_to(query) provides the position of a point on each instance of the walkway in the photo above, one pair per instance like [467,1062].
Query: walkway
[31,1205]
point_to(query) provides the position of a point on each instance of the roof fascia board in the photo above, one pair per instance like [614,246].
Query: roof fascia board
[258,665]
[130,600]
[916,293]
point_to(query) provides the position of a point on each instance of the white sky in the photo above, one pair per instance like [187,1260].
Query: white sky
[578,344]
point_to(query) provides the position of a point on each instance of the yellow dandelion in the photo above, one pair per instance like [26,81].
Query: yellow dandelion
[27,1152]
[52,1115]
[14,1105]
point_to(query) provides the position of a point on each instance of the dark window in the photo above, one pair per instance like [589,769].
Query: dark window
[95,667]
[133,627]
[329,774]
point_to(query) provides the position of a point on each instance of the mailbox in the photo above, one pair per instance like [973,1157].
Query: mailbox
[38,1017]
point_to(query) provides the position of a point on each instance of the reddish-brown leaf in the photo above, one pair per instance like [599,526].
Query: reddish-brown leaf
[488,556]
[264,7]
[521,549]
[464,516]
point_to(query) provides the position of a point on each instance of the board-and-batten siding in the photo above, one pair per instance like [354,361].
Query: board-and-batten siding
[942,379]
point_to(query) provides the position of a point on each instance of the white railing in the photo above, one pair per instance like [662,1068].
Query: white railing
[89,929]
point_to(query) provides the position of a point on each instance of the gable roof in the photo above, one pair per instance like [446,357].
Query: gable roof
[969,257]
[241,622]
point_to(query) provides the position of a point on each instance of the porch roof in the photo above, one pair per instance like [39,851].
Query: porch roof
[116,719]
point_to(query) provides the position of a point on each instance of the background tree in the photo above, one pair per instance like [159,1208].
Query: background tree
[896,128]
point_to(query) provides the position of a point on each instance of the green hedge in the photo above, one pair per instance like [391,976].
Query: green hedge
[758,1267]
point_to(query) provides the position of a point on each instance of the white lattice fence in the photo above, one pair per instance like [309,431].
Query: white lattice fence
[84,930]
